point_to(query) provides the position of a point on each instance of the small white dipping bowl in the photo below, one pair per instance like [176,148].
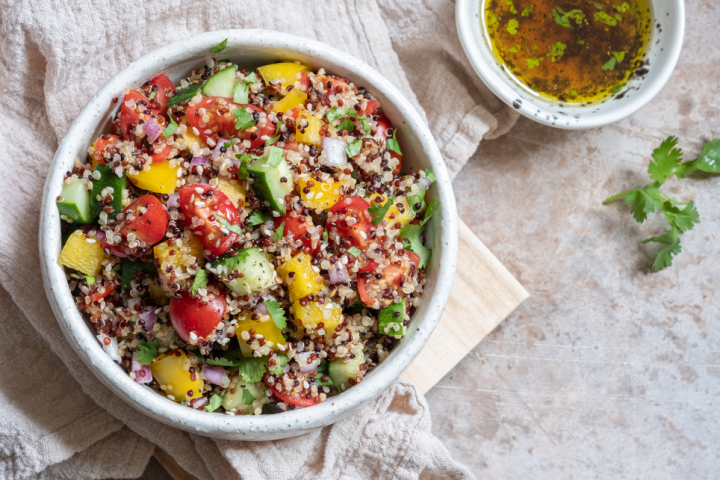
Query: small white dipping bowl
[663,51]
[251,48]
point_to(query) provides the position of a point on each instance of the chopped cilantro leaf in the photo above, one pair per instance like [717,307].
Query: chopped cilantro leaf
[279,368]
[277,313]
[229,226]
[527,11]
[605,18]
[618,88]
[563,18]
[619,56]
[378,211]
[709,159]
[275,156]
[665,256]
[412,235]
[152,95]
[392,143]
[513,10]
[325,236]
[272,140]
[533,62]
[250,78]
[430,175]
[200,281]
[146,352]
[665,159]
[220,362]
[215,402]
[492,20]
[219,47]
[557,51]
[244,119]
[610,64]
[258,217]
[354,251]
[365,124]
[252,369]
[241,93]
[170,129]
[512,26]
[347,125]
[684,219]
[248,398]
[279,232]
[90,280]
[354,148]
[515,49]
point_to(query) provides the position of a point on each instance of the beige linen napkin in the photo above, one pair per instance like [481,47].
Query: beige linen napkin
[58,420]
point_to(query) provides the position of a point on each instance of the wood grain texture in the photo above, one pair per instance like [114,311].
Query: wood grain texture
[483,295]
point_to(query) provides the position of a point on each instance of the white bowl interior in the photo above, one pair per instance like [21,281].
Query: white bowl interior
[252,48]
[662,54]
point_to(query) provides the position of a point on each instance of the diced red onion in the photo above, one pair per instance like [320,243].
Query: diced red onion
[136,367]
[338,273]
[86,229]
[213,375]
[200,402]
[99,235]
[261,306]
[199,161]
[334,150]
[174,200]
[152,129]
[110,349]
[216,151]
[149,318]
[305,367]
[424,183]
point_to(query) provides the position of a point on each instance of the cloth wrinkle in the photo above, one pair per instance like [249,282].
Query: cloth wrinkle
[54,55]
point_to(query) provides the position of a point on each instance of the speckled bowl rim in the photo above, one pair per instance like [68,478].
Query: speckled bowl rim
[569,117]
[442,235]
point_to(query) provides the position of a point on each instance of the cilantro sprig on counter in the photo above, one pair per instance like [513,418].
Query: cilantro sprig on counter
[681,216]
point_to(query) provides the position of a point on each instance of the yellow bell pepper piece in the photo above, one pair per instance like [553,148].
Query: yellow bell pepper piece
[264,326]
[312,131]
[305,282]
[157,293]
[82,253]
[190,137]
[285,71]
[191,247]
[293,99]
[233,190]
[170,371]
[160,178]
[321,195]
[393,214]
[314,313]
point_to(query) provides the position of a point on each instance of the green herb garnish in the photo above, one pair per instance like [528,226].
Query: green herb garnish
[215,402]
[354,148]
[170,129]
[248,398]
[354,251]
[229,226]
[412,235]
[512,26]
[527,11]
[392,143]
[244,119]
[200,281]
[258,217]
[557,51]
[146,352]
[219,47]
[618,88]
[279,232]
[277,313]
[605,18]
[378,211]
[563,18]
[347,125]
[275,156]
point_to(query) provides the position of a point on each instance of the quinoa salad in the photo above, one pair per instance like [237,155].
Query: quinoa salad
[246,241]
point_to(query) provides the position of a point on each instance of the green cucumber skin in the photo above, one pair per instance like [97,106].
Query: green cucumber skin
[235,400]
[221,84]
[259,273]
[267,183]
[184,94]
[75,203]
[108,178]
[387,317]
[128,272]
[340,372]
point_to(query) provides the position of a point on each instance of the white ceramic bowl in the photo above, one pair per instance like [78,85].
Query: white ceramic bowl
[251,48]
[664,48]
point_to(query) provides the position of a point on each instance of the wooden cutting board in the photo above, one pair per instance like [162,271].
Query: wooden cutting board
[483,295]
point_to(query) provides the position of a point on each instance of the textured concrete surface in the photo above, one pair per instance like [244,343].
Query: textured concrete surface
[608,370]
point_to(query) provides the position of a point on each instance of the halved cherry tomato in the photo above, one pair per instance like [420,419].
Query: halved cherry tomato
[102,144]
[304,82]
[162,155]
[391,276]
[291,146]
[164,86]
[384,125]
[357,234]
[300,401]
[296,230]
[129,117]
[149,225]
[109,288]
[220,119]
[192,315]
[372,105]
[208,204]
[362,290]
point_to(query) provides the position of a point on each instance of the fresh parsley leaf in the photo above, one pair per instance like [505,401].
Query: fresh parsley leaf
[709,159]
[220,362]
[665,159]
[200,281]
[418,199]
[229,144]
[433,207]
[244,119]
[527,11]
[277,313]
[512,26]
[335,113]
[279,368]
[241,92]
[258,217]
[557,51]
[644,200]
[665,256]
[378,211]
[684,219]
[354,251]
[229,226]
[392,143]
[430,175]
[605,18]
[279,232]
[347,125]
[252,369]
[215,402]
[354,148]
[219,47]
[275,156]
[170,129]
[618,88]
[146,352]
[248,398]
[609,65]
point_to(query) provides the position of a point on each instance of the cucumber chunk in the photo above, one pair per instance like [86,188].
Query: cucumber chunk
[257,271]
[75,203]
[184,94]
[108,178]
[245,394]
[129,268]
[268,184]
[340,372]
[391,324]
[221,84]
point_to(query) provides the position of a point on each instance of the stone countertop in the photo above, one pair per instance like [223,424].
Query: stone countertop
[608,370]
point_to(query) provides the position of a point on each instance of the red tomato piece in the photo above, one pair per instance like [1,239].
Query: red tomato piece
[372,105]
[164,86]
[300,401]
[104,144]
[109,288]
[304,82]
[192,315]
[147,219]
[220,119]
[392,275]
[129,117]
[362,290]
[357,234]
[162,155]
[384,125]
[296,230]
[208,204]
